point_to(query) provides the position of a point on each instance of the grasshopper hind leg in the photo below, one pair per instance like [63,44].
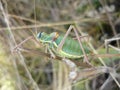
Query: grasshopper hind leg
[79,40]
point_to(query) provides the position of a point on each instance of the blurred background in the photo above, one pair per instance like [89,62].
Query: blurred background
[31,69]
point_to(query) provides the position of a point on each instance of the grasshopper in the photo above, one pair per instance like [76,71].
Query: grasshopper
[63,45]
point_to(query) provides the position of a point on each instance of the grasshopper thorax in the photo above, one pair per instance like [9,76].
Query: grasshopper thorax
[47,38]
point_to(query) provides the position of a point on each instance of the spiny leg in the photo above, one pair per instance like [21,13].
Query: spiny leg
[16,47]
[80,43]
[51,53]
[77,36]
[107,41]
[64,38]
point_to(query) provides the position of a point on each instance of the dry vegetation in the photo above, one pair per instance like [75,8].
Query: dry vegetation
[34,69]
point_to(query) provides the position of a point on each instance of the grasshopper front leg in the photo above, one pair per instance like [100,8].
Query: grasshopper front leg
[51,53]
[20,44]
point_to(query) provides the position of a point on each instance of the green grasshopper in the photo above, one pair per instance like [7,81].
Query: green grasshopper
[65,46]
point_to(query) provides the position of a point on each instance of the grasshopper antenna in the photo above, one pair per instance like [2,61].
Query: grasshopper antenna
[34,35]
[35,17]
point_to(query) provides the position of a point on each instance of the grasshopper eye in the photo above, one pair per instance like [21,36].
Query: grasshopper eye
[39,35]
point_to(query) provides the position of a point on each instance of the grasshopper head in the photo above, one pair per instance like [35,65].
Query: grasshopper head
[47,38]
[39,35]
